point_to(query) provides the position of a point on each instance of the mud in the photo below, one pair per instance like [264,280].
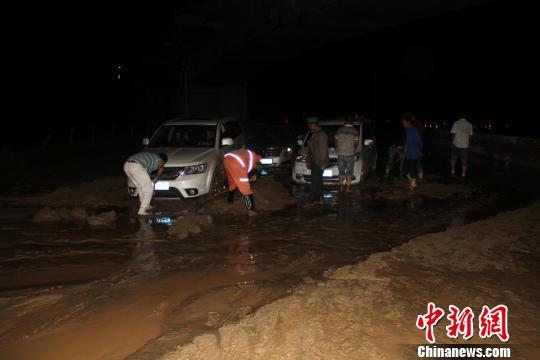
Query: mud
[102,192]
[138,290]
[368,310]
[270,195]
[435,187]
[49,215]
[189,224]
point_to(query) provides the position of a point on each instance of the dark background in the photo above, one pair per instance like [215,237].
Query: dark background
[118,70]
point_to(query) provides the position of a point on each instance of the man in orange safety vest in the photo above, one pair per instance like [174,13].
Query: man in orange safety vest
[241,167]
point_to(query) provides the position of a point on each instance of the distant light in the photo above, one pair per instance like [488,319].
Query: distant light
[289,150]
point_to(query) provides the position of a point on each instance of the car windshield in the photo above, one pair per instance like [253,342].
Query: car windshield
[271,132]
[184,136]
[330,131]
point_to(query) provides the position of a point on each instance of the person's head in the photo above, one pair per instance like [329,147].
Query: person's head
[163,157]
[313,124]
[348,120]
[407,120]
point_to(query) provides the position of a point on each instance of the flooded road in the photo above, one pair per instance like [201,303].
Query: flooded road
[131,290]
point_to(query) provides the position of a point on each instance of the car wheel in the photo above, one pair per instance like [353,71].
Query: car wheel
[218,182]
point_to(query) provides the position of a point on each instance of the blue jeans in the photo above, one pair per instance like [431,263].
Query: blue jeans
[346,165]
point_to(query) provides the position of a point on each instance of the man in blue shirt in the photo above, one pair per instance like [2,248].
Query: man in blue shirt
[413,150]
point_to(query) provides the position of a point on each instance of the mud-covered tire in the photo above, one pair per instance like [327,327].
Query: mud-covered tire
[218,179]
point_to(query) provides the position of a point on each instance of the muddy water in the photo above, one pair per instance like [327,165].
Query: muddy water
[70,291]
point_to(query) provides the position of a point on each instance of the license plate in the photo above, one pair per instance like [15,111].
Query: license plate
[162,185]
[266,161]
[327,173]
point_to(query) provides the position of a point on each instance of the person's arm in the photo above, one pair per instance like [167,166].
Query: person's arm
[324,149]
[160,171]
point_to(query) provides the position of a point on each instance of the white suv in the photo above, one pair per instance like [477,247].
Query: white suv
[365,158]
[195,148]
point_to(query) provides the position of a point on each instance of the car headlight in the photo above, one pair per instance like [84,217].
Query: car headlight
[192,169]
[289,150]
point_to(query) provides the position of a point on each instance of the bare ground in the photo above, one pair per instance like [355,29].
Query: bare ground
[368,310]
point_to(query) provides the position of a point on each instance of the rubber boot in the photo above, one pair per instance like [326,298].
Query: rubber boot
[250,204]
[230,197]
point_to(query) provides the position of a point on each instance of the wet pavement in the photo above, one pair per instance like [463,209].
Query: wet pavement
[88,285]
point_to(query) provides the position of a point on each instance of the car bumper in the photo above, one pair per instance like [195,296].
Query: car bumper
[275,160]
[302,175]
[188,186]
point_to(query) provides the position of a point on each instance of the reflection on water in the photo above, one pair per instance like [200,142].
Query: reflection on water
[145,259]
[241,254]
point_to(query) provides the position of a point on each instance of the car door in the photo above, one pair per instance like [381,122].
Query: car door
[369,151]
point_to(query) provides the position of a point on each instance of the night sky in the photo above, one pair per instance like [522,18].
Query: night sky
[475,61]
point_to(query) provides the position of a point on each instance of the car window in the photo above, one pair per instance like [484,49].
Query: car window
[231,129]
[184,136]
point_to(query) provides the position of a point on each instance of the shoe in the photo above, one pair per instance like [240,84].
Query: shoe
[146,212]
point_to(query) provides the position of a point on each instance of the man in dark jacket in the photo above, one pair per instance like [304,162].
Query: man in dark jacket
[317,158]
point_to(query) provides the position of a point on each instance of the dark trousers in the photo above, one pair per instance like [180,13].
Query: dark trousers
[410,167]
[316,182]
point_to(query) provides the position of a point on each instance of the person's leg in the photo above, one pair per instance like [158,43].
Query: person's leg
[245,188]
[392,156]
[250,204]
[230,179]
[316,182]
[464,155]
[349,171]
[342,175]
[410,172]
[144,186]
[127,170]
[453,158]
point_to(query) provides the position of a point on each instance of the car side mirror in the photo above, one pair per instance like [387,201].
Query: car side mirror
[145,141]
[368,142]
[227,142]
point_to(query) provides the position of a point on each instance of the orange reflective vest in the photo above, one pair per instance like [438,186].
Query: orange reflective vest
[237,165]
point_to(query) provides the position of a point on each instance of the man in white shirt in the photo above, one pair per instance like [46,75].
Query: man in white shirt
[462,130]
